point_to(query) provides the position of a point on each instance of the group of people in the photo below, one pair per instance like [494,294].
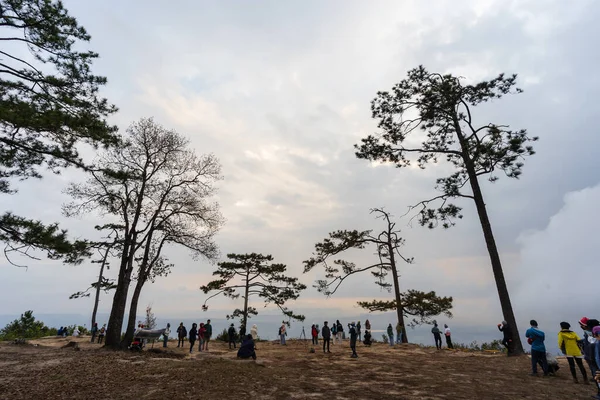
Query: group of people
[202,333]
[98,332]
[437,336]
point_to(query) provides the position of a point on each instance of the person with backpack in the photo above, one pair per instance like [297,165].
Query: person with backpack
[437,336]
[506,336]
[282,333]
[201,336]
[334,332]
[390,332]
[535,338]
[326,335]
[567,343]
[193,335]
[181,334]
[314,333]
[166,335]
[353,336]
[231,334]
[339,331]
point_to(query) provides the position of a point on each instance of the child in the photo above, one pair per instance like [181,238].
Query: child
[567,342]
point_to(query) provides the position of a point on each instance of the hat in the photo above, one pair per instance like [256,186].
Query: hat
[583,321]
[596,330]
[565,325]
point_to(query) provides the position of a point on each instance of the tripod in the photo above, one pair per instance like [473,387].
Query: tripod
[302,334]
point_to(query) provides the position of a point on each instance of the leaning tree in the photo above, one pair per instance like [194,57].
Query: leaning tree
[158,191]
[254,275]
[427,117]
[420,306]
[49,107]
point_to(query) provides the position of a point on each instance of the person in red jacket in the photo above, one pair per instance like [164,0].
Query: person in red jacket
[315,334]
[201,335]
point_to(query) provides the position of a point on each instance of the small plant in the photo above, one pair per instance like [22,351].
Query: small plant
[385,339]
[224,336]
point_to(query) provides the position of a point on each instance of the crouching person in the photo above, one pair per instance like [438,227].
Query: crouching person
[247,348]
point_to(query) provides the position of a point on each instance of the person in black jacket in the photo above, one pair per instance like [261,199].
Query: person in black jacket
[507,336]
[231,334]
[326,335]
[181,334]
[353,337]
[193,335]
[247,348]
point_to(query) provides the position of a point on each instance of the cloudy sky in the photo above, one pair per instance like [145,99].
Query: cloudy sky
[280,92]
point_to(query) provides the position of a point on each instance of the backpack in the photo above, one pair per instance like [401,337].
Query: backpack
[279,332]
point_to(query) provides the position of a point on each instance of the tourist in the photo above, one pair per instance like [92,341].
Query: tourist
[390,332]
[588,342]
[334,332]
[201,336]
[247,349]
[94,332]
[596,334]
[166,334]
[207,334]
[254,333]
[399,331]
[282,333]
[358,331]
[538,349]
[242,332]
[193,335]
[326,335]
[353,336]
[367,341]
[231,334]
[101,334]
[339,331]
[181,334]
[506,336]
[314,334]
[437,336]
[567,343]
[448,334]
[367,325]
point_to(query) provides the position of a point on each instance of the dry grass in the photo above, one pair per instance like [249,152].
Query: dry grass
[48,371]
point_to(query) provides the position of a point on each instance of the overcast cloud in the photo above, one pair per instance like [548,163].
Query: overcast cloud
[280,92]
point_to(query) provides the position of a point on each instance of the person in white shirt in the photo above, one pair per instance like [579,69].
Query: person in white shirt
[166,335]
[448,338]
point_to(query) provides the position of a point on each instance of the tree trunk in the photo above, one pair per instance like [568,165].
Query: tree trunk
[245,317]
[97,299]
[505,304]
[399,307]
[132,313]
[507,310]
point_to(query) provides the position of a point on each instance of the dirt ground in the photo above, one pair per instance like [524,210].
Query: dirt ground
[44,370]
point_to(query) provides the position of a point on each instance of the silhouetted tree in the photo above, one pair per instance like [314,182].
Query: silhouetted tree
[420,306]
[158,191]
[254,275]
[429,115]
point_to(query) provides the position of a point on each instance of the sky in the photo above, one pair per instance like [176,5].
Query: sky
[281,91]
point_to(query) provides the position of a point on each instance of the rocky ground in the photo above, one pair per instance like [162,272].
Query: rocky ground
[43,369]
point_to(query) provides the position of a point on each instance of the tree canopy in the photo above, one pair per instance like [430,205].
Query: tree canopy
[254,275]
[49,106]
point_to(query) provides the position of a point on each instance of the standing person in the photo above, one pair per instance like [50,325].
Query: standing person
[231,334]
[353,336]
[358,331]
[367,325]
[254,334]
[166,335]
[538,349]
[94,332]
[282,333]
[437,336]
[207,334]
[201,336]
[101,334]
[339,331]
[315,335]
[334,332]
[181,334]
[506,336]
[326,335]
[242,332]
[448,334]
[390,332]
[588,343]
[398,333]
[193,335]
[567,343]
[596,335]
